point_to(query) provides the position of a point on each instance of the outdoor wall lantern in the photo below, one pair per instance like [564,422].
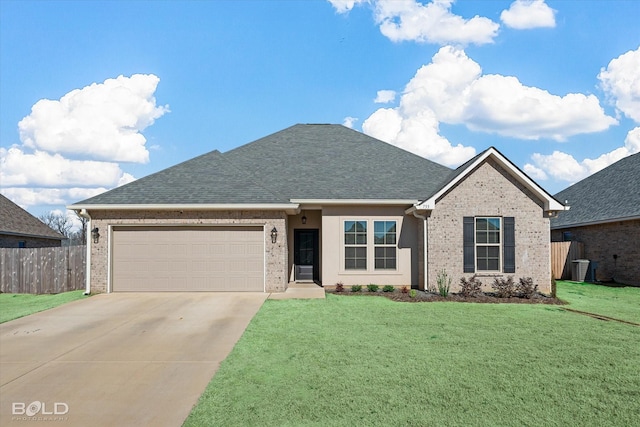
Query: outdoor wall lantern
[274,235]
[96,235]
[304,218]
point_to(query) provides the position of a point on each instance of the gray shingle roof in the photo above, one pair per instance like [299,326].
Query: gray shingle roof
[300,162]
[206,179]
[16,221]
[610,194]
[335,162]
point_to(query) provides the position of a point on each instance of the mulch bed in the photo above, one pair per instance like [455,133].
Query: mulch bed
[422,296]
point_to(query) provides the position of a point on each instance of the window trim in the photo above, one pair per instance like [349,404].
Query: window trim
[355,244]
[499,245]
[385,245]
[370,270]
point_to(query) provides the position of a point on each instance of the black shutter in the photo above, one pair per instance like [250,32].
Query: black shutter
[509,248]
[469,258]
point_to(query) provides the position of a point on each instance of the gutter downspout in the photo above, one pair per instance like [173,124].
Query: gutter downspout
[84,214]
[424,250]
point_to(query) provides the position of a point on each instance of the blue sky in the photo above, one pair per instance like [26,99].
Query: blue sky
[95,94]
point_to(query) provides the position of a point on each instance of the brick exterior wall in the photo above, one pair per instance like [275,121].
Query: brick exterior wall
[11,241]
[276,255]
[489,191]
[603,241]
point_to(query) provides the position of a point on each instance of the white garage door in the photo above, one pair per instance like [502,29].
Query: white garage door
[188,259]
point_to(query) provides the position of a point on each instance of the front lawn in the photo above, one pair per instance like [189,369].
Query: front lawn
[371,361]
[617,302]
[13,306]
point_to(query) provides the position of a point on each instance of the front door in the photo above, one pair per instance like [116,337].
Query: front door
[306,254]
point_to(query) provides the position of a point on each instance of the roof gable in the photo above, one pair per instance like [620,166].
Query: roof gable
[550,203]
[612,194]
[16,221]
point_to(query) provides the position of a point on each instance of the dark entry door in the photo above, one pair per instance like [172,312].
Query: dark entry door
[306,254]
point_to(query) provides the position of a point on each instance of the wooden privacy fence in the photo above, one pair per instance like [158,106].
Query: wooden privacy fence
[42,270]
[562,253]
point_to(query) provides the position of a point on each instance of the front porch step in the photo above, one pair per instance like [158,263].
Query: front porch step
[300,290]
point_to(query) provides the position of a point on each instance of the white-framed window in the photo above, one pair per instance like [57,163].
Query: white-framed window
[488,232]
[384,241]
[355,245]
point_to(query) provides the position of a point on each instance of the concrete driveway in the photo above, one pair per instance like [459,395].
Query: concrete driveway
[128,359]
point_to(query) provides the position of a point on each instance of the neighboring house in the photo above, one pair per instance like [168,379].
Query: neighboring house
[319,203]
[605,217]
[20,229]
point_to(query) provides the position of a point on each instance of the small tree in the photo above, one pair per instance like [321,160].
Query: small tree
[58,222]
[79,237]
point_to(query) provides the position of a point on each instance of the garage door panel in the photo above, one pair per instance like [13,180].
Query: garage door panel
[188,259]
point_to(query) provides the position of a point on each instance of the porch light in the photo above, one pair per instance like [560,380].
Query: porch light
[274,235]
[96,235]
[304,218]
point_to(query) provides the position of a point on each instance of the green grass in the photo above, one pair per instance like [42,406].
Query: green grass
[617,302]
[369,361]
[13,306]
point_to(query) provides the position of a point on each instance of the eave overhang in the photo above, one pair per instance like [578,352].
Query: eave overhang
[358,202]
[290,208]
[598,222]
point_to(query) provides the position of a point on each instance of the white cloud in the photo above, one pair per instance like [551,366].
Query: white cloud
[26,197]
[344,6]
[349,121]
[632,141]
[71,147]
[418,134]
[534,172]
[453,87]
[621,82]
[401,20]
[565,167]
[52,170]
[503,105]
[101,121]
[385,96]
[525,14]
[453,90]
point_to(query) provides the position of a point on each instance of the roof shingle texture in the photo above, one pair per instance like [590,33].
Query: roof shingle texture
[16,221]
[300,162]
[610,194]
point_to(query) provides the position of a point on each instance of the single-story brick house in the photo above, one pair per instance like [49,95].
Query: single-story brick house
[319,203]
[20,229]
[605,217]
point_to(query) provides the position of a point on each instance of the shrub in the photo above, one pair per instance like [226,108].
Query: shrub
[404,289]
[412,293]
[372,288]
[471,287]
[388,288]
[526,288]
[504,288]
[339,287]
[356,288]
[444,283]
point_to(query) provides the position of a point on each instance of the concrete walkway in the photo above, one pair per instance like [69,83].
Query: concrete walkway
[127,359]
